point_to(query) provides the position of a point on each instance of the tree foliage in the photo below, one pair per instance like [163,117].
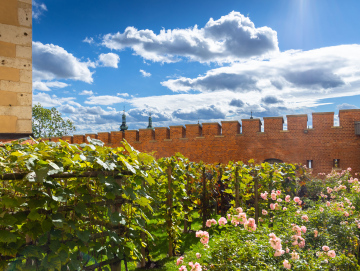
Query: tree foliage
[49,123]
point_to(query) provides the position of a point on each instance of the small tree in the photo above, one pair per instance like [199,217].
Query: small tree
[49,123]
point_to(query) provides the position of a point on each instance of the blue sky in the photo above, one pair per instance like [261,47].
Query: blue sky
[185,61]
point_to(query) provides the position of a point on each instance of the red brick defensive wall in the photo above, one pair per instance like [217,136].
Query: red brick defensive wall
[215,143]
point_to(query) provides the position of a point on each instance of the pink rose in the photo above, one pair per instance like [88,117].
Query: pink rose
[305,217]
[272,206]
[273,196]
[331,254]
[286,264]
[296,199]
[222,221]
[264,212]
[303,229]
[264,195]
[287,198]
[198,255]
[179,260]
[279,252]
[325,248]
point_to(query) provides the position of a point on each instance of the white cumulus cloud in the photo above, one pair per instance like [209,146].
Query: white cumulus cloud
[47,100]
[232,37]
[48,85]
[293,75]
[54,62]
[108,60]
[88,40]
[145,74]
[104,100]
[87,92]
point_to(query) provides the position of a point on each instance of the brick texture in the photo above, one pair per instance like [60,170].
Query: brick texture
[298,144]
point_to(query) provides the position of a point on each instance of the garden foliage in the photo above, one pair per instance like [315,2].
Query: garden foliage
[78,207]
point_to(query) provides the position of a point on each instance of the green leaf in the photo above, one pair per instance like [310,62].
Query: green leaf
[128,166]
[46,225]
[41,173]
[63,255]
[83,235]
[7,236]
[101,163]
[54,245]
[34,215]
[58,220]
[32,251]
[9,202]
[80,208]
[8,220]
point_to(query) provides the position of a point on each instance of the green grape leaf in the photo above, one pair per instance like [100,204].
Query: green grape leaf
[83,235]
[7,236]
[80,208]
[34,215]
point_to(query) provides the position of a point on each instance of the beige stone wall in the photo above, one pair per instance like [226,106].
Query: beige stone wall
[15,66]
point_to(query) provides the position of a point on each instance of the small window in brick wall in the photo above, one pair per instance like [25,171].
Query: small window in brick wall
[310,164]
[336,163]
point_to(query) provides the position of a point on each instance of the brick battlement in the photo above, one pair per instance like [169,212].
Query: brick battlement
[214,142]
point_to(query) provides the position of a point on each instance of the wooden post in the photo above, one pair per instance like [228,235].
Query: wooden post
[142,235]
[169,205]
[204,212]
[256,186]
[186,207]
[237,194]
[116,266]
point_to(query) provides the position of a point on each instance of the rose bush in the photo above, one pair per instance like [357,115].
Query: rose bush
[290,234]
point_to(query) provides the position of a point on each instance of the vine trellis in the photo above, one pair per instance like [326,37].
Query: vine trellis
[69,207]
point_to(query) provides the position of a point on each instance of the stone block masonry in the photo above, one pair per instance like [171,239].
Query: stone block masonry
[215,143]
[15,68]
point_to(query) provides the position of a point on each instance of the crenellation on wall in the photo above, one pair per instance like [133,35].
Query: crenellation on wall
[211,129]
[273,124]
[116,137]
[131,136]
[162,133]
[251,126]
[322,120]
[177,131]
[105,137]
[79,139]
[348,117]
[146,135]
[193,130]
[295,145]
[297,122]
[68,139]
[92,136]
[230,127]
